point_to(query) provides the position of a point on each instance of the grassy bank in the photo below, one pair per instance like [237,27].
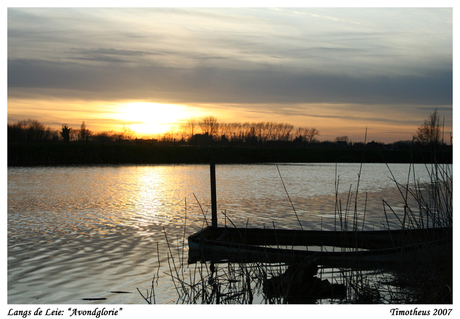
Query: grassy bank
[72,154]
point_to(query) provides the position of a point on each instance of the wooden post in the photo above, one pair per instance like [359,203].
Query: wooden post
[213,195]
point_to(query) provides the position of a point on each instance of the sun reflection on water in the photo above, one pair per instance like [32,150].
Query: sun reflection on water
[84,231]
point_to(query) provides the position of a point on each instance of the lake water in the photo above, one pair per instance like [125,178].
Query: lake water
[79,232]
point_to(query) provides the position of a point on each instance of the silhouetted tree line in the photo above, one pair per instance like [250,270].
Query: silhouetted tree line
[32,131]
[209,132]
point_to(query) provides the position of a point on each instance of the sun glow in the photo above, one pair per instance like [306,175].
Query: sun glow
[153,118]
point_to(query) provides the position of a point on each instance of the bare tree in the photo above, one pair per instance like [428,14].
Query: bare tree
[304,134]
[429,133]
[268,131]
[235,132]
[225,129]
[311,133]
[35,130]
[209,125]
[83,133]
[247,132]
[127,133]
[190,128]
[284,131]
[343,138]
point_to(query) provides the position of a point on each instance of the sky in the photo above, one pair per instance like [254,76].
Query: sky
[339,70]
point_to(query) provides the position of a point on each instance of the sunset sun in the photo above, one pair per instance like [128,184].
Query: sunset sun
[152,118]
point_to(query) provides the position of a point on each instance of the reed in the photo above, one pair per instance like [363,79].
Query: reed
[427,280]
[427,205]
[362,285]
[245,282]
[149,296]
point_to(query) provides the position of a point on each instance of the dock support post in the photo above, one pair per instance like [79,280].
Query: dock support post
[213,195]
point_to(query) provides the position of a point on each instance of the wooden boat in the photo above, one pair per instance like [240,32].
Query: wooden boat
[330,248]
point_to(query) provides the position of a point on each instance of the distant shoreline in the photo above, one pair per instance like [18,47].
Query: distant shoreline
[23,154]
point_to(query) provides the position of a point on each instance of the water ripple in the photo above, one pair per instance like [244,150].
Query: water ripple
[81,232]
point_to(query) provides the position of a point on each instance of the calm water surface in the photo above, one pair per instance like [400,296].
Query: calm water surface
[92,231]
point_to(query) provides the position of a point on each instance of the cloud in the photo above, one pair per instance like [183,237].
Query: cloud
[280,58]
[219,85]
[110,54]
